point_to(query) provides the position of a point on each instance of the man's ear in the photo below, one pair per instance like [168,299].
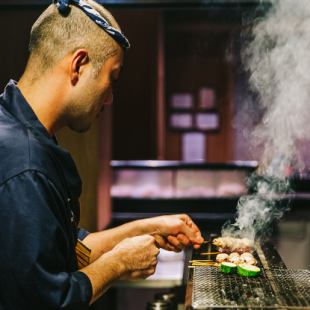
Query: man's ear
[79,60]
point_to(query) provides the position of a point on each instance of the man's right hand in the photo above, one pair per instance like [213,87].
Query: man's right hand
[138,255]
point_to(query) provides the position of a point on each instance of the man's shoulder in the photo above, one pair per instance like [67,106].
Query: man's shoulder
[14,144]
[20,150]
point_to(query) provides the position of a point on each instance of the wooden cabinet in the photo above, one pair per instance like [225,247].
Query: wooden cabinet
[134,107]
[197,55]
[172,51]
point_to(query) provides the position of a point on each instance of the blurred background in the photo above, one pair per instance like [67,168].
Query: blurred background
[177,138]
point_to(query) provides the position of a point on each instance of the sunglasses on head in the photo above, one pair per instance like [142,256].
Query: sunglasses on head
[119,37]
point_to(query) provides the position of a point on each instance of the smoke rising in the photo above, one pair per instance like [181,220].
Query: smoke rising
[277,60]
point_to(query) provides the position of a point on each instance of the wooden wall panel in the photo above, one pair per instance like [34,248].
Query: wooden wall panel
[84,149]
[134,108]
[15,25]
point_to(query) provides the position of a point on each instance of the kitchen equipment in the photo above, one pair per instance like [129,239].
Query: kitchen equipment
[159,305]
[168,297]
[277,287]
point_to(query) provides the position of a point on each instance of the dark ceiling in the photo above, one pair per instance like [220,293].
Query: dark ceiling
[152,3]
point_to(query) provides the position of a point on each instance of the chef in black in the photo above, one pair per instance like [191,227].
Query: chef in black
[76,52]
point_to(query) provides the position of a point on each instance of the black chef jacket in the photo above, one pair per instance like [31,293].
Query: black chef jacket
[39,214]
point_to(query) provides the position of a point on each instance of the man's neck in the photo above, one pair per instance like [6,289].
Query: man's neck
[45,96]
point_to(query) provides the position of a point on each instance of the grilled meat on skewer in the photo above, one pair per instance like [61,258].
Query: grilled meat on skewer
[230,244]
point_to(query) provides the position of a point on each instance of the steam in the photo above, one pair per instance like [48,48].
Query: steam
[278,62]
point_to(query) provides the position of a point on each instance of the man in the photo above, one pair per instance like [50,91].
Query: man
[76,52]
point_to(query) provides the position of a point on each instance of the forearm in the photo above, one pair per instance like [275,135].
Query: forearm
[102,273]
[135,257]
[104,241]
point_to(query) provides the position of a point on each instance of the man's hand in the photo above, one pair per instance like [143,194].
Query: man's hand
[174,232]
[138,256]
[134,257]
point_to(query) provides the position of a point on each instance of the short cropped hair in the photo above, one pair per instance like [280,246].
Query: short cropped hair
[53,36]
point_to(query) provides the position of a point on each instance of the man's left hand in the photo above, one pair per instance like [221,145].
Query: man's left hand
[174,232]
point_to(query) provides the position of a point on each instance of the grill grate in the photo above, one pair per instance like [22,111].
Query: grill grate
[280,288]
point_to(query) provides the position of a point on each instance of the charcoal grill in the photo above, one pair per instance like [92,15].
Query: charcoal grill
[288,289]
[277,287]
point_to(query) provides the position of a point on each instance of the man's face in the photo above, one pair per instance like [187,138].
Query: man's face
[95,92]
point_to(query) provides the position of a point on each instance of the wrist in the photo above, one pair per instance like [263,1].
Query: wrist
[148,226]
[121,260]
[117,262]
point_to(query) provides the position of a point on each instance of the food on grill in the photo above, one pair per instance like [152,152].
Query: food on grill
[227,267]
[223,257]
[234,258]
[248,258]
[230,244]
[246,270]
[246,255]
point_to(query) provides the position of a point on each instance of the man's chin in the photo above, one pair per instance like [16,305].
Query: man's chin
[80,129]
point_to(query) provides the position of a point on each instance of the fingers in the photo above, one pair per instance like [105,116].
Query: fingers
[163,243]
[138,253]
[141,274]
[189,222]
[189,233]
[176,244]
[177,231]
[153,242]
[160,241]
[183,240]
[191,230]
[149,272]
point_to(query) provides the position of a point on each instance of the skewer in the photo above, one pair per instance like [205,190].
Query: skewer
[210,253]
[193,266]
[200,260]
[204,264]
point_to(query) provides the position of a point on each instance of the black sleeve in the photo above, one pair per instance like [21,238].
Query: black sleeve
[34,249]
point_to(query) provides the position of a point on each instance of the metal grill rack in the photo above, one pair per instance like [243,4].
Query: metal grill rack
[293,287]
[273,289]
